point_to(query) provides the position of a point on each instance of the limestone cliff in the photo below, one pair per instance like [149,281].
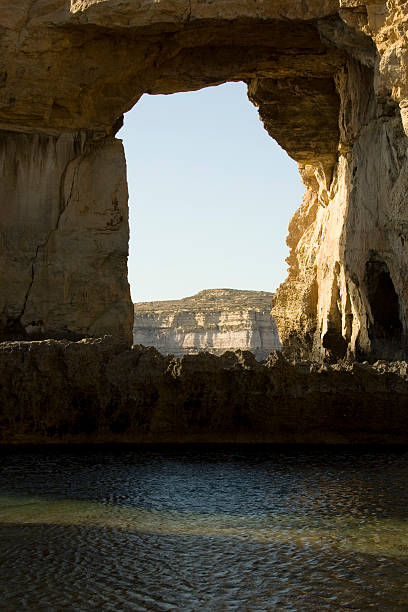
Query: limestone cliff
[100,391]
[346,293]
[213,320]
[330,79]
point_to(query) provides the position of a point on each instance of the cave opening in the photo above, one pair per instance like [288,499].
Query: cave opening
[210,195]
[386,326]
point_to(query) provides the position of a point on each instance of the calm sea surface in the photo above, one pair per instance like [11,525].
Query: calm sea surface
[204,528]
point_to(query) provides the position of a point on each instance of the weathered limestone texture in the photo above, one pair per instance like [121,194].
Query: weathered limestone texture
[213,320]
[347,282]
[100,391]
[63,261]
[330,78]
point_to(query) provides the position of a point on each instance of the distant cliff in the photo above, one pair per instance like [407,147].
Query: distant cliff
[213,320]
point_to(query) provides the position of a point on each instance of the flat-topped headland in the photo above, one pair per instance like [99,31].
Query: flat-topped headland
[213,320]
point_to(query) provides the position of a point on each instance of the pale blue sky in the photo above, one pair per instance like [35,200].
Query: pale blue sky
[211,195]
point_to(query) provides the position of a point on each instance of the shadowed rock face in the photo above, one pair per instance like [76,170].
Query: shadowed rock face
[213,320]
[99,391]
[330,81]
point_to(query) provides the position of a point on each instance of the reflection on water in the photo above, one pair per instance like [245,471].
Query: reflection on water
[205,528]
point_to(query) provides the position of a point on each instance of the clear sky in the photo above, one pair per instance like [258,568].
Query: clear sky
[211,195]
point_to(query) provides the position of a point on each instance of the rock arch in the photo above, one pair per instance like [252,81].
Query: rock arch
[330,80]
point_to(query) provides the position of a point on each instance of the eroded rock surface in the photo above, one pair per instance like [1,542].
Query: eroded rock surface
[63,233]
[213,320]
[330,80]
[346,290]
[99,391]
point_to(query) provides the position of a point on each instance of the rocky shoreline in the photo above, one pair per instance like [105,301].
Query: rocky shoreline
[100,391]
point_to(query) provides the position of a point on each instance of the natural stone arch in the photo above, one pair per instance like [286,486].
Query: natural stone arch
[328,78]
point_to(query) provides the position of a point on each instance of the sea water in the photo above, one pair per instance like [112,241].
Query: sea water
[234,528]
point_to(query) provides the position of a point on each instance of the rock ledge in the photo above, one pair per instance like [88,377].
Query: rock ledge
[100,391]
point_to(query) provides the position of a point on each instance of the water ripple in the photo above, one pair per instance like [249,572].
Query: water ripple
[203,529]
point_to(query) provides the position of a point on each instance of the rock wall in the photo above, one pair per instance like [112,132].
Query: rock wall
[330,80]
[214,320]
[63,261]
[348,261]
[98,391]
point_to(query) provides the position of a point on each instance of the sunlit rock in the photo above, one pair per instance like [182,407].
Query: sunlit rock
[330,80]
[214,320]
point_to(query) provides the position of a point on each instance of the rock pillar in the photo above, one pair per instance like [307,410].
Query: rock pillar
[64,237]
